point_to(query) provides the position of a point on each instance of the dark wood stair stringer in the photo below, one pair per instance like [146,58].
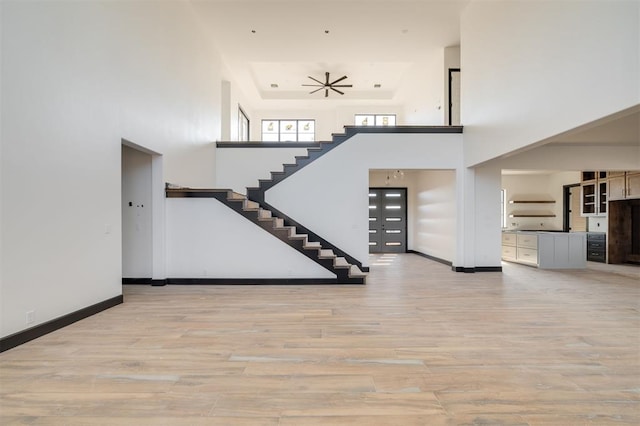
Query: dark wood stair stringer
[346,273]
[257,194]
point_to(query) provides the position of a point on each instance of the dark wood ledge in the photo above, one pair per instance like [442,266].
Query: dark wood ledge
[259,144]
[352,130]
[194,192]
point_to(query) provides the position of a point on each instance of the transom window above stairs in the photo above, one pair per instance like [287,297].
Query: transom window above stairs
[288,130]
[375,120]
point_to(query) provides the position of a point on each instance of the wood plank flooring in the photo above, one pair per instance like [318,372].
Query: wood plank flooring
[418,345]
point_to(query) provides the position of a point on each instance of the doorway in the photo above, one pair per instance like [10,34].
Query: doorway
[387,220]
[454,96]
[573,221]
[143,245]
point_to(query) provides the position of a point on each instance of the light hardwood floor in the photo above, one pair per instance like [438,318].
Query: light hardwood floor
[418,345]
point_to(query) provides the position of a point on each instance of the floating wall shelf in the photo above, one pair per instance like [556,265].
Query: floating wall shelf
[532,201]
[532,215]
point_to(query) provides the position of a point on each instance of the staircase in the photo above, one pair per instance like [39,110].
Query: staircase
[346,273]
[257,194]
[347,269]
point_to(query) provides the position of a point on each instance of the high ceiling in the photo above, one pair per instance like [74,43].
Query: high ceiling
[280,43]
[271,47]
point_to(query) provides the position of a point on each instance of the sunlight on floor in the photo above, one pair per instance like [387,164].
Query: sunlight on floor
[383,259]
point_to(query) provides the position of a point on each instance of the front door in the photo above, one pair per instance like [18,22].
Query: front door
[387,220]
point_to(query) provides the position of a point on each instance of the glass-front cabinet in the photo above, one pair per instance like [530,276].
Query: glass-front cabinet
[599,188]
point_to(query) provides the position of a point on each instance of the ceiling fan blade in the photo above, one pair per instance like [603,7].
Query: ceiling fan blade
[326,93]
[314,85]
[336,90]
[317,90]
[326,74]
[315,80]
[341,85]
[338,80]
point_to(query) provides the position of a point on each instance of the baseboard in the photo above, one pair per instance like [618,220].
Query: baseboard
[144,281]
[251,281]
[40,330]
[488,268]
[476,269]
[136,281]
[231,281]
[435,259]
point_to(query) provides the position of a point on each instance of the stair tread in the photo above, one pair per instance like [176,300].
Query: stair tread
[326,254]
[341,262]
[236,196]
[355,272]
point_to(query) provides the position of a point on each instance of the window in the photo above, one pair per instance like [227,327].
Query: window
[243,126]
[375,119]
[288,130]
[503,207]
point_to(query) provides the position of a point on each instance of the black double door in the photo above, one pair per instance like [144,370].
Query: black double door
[387,220]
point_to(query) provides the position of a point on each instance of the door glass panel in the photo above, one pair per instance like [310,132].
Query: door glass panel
[387,221]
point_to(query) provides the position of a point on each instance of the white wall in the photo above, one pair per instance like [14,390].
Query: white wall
[137,249]
[573,157]
[435,214]
[338,182]
[230,106]
[487,231]
[76,78]
[535,69]
[206,239]
[536,186]
[431,209]
[239,168]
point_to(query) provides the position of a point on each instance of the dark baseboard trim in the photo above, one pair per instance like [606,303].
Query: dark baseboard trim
[144,281]
[435,259]
[136,281]
[350,130]
[40,330]
[477,269]
[462,269]
[253,281]
[267,144]
[488,268]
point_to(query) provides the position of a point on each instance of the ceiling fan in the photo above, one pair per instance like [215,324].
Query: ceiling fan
[327,85]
